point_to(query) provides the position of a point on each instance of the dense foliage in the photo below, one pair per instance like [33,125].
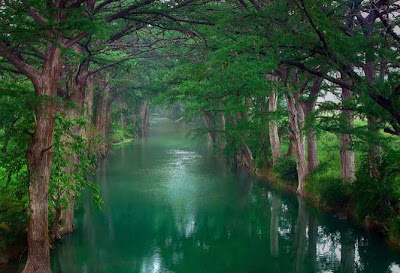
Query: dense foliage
[306,91]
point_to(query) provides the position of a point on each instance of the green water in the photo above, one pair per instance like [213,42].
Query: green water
[171,206]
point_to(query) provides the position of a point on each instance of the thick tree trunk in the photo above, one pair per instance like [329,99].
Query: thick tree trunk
[273,129]
[89,99]
[245,157]
[102,118]
[78,93]
[40,165]
[374,149]
[312,151]
[309,109]
[66,223]
[290,146]
[347,163]
[55,234]
[144,115]
[295,118]
[210,124]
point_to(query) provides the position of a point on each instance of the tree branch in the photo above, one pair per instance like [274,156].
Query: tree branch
[15,59]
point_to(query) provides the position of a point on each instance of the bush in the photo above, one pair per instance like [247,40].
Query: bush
[378,198]
[333,192]
[13,218]
[325,184]
[394,231]
[287,170]
[119,135]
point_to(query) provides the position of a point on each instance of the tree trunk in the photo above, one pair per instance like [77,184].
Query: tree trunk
[290,146]
[296,115]
[273,129]
[39,161]
[312,151]
[374,149]
[102,116]
[89,99]
[210,124]
[55,227]
[144,115]
[245,157]
[347,163]
[122,121]
[77,95]
[222,142]
[309,109]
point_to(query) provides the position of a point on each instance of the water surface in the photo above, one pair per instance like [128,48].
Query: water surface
[170,205]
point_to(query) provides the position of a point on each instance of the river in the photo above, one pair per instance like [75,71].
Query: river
[171,205]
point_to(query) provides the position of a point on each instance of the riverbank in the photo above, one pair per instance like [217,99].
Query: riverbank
[125,141]
[12,251]
[346,211]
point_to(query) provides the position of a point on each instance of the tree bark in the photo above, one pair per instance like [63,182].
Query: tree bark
[102,118]
[295,118]
[347,163]
[66,223]
[309,109]
[290,146]
[245,157]
[222,142]
[374,148]
[77,95]
[40,164]
[312,150]
[210,124]
[55,234]
[89,99]
[144,115]
[273,128]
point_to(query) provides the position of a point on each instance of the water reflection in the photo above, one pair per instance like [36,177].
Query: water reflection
[173,207]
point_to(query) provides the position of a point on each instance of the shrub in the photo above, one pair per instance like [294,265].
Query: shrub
[287,170]
[117,136]
[378,198]
[333,192]
[13,218]
[325,184]
[394,231]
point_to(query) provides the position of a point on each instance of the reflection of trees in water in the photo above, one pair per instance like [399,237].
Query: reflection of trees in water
[274,223]
[261,231]
[300,238]
[274,233]
[312,242]
[347,257]
[332,246]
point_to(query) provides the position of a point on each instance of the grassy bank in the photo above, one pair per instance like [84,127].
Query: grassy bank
[373,203]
